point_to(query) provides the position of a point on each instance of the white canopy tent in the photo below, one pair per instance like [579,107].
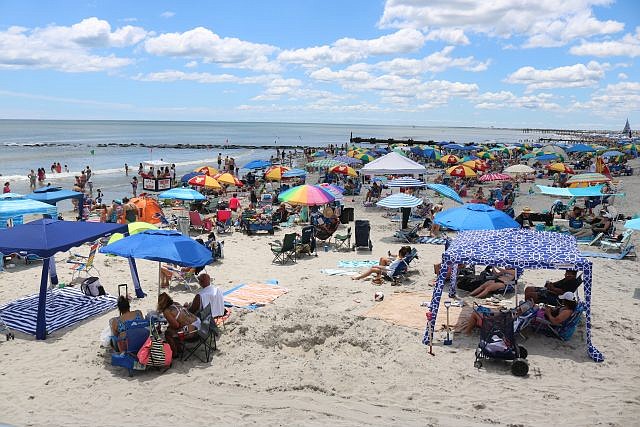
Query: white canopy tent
[393,163]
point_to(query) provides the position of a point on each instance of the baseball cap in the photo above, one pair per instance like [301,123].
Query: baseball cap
[569,296]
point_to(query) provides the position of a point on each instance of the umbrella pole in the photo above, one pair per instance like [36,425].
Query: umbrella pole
[159,276]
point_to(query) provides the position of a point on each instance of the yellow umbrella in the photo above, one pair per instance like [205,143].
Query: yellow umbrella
[207,170]
[343,170]
[449,159]
[461,171]
[205,181]
[274,173]
[227,178]
[560,167]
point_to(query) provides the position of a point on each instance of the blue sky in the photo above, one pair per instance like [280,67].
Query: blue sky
[511,63]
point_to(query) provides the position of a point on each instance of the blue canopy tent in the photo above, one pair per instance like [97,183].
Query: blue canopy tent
[517,249]
[15,208]
[52,195]
[45,238]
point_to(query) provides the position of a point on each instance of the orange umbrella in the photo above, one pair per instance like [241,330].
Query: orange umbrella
[461,171]
[559,167]
[343,170]
[274,173]
[207,170]
[476,165]
[450,159]
[227,178]
[205,181]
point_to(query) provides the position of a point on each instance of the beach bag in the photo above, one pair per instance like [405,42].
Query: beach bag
[155,352]
[91,287]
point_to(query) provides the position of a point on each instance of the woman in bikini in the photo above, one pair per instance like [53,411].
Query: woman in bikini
[118,323]
[502,277]
[180,320]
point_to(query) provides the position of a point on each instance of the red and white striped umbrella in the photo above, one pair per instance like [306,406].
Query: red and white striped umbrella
[495,177]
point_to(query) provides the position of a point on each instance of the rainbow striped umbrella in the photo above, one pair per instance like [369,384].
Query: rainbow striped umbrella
[308,195]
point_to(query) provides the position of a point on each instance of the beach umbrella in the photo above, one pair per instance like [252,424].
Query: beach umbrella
[528,156]
[417,151]
[186,177]
[294,173]
[554,149]
[449,159]
[227,178]
[322,163]
[308,195]
[446,191]
[547,156]
[366,158]
[633,224]
[167,246]
[486,155]
[207,170]
[502,150]
[431,153]
[400,200]
[351,161]
[516,169]
[560,167]
[453,146]
[475,216]
[612,153]
[460,171]
[343,170]
[134,228]
[406,181]
[588,179]
[205,181]
[181,194]
[274,173]
[495,177]
[320,153]
[333,189]
[581,148]
[476,165]
[257,164]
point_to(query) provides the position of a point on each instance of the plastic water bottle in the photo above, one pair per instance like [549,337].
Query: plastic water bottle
[326,247]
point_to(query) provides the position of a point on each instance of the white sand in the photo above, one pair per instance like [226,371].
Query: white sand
[312,359]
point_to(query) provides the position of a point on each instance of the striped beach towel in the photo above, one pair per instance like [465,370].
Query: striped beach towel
[356,264]
[65,307]
[253,295]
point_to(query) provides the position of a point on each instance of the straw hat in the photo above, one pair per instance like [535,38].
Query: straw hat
[526,209]
[327,212]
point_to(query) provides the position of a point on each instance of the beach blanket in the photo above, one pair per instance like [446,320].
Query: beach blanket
[404,309]
[432,240]
[337,272]
[356,264]
[253,295]
[628,250]
[65,307]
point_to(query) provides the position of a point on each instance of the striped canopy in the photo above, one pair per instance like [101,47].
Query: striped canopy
[406,181]
[400,200]
[323,163]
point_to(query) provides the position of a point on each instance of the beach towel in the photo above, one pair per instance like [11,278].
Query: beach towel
[337,272]
[65,307]
[356,264]
[404,309]
[432,240]
[628,250]
[254,295]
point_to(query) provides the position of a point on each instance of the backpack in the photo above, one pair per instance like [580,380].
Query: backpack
[91,287]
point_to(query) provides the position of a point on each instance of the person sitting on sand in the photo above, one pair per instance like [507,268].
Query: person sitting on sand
[118,323]
[553,315]
[179,319]
[386,265]
[601,225]
[551,290]
[501,277]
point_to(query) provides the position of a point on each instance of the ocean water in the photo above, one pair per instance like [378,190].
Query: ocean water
[30,144]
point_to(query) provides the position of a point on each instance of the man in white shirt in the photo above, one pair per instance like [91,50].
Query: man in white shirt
[208,295]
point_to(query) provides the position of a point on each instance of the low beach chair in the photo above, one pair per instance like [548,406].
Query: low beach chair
[134,336]
[306,244]
[196,222]
[204,338]
[284,250]
[617,246]
[82,264]
[342,240]
[563,331]
[408,236]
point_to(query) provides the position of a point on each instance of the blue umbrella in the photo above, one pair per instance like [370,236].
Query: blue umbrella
[257,164]
[446,191]
[417,151]
[406,181]
[163,246]
[475,216]
[453,147]
[547,156]
[190,175]
[181,194]
[613,153]
[581,148]
[381,151]
[292,173]
[351,161]
[633,224]
[400,200]
[320,153]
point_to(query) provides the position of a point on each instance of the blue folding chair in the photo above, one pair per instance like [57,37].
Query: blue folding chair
[134,336]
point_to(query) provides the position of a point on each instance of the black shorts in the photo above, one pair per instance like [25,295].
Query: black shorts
[547,297]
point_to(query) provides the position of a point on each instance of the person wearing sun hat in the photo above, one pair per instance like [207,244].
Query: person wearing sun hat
[525,216]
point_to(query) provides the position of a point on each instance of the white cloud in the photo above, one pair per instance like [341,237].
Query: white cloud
[505,100]
[437,62]
[622,76]
[202,43]
[629,45]
[191,64]
[89,102]
[578,75]
[67,48]
[168,14]
[349,49]
[168,76]
[613,101]
[449,35]
[544,22]
[293,90]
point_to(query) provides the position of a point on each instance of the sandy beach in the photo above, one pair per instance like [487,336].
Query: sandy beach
[312,357]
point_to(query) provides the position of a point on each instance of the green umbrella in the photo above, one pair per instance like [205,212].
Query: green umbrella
[323,163]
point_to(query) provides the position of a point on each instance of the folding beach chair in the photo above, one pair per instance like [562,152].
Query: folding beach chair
[204,338]
[563,331]
[408,236]
[196,222]
[223,221]
[342,240]
[82,264]
[306,244]
[135,335]
[284,250]
[402,269]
